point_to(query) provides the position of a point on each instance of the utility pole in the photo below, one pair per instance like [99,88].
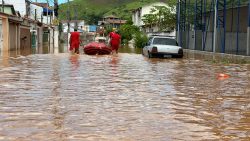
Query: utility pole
[76,23]
[41,18]
[56,8]
[178,21]
[3,6]
[35,15]
[56,32]
[68,16]
[47,11]
[215,25]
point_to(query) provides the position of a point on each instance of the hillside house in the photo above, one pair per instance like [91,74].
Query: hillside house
[137,16]
[112,21]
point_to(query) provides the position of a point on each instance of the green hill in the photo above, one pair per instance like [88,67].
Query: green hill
[93,10]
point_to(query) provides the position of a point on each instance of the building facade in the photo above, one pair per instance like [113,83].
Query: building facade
[36,28]
[231,39]
[137,16]
[112,21]
[9,29]
[79,24]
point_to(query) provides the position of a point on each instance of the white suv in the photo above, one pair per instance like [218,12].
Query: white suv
[162,46]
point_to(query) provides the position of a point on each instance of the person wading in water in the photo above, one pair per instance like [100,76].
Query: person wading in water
[115,42]
[74,41]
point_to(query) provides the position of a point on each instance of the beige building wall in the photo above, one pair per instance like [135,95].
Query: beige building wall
[13,32]
[5,29]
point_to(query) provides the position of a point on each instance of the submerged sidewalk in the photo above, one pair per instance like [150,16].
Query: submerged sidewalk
[216,57]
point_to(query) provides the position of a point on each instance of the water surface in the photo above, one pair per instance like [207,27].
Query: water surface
[126,97]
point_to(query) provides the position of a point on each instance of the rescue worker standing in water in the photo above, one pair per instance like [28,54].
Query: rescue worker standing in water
[115,42]
[74,41]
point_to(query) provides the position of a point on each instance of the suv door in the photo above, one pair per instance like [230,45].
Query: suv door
[147,48]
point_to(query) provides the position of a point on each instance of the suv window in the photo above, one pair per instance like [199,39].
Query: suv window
[164,41]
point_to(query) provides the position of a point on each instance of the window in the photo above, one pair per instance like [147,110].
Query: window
[164,41]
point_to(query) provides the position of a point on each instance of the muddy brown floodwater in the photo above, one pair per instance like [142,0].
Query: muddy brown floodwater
[63,97]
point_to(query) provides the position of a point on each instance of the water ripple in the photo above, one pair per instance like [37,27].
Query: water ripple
[127,97]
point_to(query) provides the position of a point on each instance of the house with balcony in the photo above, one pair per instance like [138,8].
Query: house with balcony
[112,21]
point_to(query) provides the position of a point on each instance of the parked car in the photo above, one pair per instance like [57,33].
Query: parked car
[162,46]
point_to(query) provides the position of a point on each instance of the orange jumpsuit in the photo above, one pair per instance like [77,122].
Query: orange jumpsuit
[111,33]
[75,41]
[115,41]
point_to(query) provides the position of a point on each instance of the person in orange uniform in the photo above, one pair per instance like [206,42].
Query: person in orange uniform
[110,35]
[74,41]
[115,42]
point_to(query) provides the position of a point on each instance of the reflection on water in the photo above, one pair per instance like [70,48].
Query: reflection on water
[126,49]
[123,97]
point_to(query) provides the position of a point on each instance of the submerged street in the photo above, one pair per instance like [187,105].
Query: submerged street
[127,97]
[61,79]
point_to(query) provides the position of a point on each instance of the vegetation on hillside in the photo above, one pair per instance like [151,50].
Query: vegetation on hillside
[93,10]
[125,11]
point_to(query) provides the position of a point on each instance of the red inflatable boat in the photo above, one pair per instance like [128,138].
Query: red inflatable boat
[97,48]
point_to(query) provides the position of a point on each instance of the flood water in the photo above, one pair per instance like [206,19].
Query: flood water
[64,97]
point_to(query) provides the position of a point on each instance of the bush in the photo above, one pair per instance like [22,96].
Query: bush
[127,31]
[140,40]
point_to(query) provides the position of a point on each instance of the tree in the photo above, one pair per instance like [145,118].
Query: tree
[127,31]
[149,19]
[140,40]
[162,16]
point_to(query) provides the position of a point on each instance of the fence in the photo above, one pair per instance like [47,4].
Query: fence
[214,25]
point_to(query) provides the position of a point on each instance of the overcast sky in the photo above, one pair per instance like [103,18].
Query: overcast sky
[19,5]
[51,1]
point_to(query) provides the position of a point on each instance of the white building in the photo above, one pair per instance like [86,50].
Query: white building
[37,13]
[31,11]
[80,25]
[141,11]
[19,5]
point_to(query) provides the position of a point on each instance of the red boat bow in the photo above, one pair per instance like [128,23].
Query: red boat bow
[96,48]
